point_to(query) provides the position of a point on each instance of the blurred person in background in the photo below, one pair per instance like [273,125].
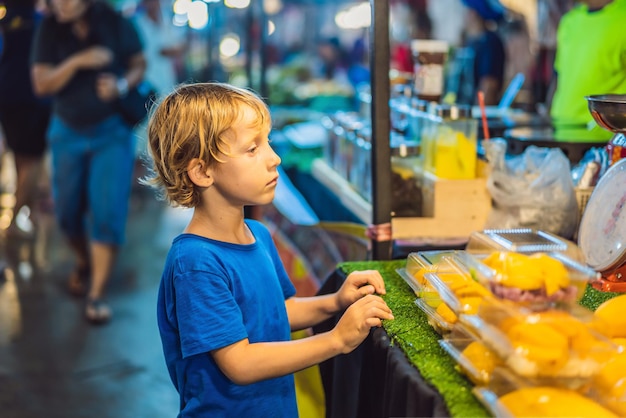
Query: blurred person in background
[401,55]
[590,59]
[86,56]
[23,116]
[549,13]
[164,45]
[332,61]
[485,52]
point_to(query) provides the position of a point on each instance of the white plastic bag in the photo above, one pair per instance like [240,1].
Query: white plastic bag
[532,190]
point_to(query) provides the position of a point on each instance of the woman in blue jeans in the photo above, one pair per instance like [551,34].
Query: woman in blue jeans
[85,56]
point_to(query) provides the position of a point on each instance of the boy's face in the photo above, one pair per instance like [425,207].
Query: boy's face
[248,175]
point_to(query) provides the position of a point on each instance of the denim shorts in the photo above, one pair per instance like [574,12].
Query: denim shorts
[92,173]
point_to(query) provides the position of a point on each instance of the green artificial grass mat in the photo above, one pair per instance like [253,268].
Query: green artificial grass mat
[411,332]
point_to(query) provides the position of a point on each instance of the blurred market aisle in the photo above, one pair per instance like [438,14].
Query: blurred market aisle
[54,364]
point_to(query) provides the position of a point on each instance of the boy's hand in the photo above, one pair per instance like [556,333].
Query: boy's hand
[355,324]
[359,284]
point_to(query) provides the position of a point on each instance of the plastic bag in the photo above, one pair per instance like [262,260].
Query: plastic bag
[532,190]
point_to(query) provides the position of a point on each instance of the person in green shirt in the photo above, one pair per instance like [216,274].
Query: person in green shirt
[590,59]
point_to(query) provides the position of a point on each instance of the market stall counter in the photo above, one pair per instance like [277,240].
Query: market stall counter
[400,369]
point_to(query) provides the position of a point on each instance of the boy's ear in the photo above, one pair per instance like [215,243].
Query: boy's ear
[199,173]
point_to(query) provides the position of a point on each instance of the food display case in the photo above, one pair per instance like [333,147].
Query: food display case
[508,310]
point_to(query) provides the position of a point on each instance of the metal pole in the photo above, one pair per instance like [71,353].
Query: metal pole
[381,153]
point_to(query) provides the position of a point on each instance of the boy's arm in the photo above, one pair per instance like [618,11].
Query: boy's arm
[308,311]
[246,363]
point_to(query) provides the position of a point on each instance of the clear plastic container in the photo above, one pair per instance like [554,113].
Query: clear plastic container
[424,291]
[348,124]
[328,153]
[430,123]
[433,310]
[608,385]
[399,111]
[451,152]
[459,290]
[473,358]
[552,347]
[538,281]
[422,262]
[361,167]
[520,240]
[509,396]
[418,113]
[406,178]
[364,100]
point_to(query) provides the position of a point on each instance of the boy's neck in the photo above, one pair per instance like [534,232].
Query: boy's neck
[228,228]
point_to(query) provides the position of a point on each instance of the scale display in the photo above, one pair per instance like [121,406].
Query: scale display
[602,233]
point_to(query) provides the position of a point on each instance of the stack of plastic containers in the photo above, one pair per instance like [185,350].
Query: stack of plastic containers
[508,313]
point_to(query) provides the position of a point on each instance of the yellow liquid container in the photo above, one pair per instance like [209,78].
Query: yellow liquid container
[451,152]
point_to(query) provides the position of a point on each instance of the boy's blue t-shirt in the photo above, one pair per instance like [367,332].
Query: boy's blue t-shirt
[213,294]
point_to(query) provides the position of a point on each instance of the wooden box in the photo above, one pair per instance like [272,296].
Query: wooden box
[452,209]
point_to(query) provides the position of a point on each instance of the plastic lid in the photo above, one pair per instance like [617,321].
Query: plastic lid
[602,233]
[403,147]
[521,240]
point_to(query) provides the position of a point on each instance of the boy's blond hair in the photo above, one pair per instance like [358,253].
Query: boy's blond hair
[190,123]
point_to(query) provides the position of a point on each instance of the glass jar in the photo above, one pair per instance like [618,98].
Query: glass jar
[430,123]
[453,151]
[399,107]
[429,59]
[364,100]
[406,177]
[329,123]
[418,113]
[361,168]
[347,122]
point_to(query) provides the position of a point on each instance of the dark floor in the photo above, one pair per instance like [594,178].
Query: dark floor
[52,362]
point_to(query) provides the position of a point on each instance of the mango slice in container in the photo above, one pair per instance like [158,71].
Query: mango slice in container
[609,384]
[613,313]
[473,358]
[458,289]
[441,318]
[551,347]
[540,280]
[510,396]
[422,262]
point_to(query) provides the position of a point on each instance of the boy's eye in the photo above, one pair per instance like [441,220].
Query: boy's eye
[253,149]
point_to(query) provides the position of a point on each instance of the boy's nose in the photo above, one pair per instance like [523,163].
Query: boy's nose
[276,160]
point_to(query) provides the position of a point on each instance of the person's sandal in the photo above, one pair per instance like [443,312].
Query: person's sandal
[78,282]
[97,312]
